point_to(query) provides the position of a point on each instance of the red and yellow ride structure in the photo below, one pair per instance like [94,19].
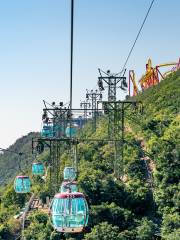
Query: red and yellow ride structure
[152,76]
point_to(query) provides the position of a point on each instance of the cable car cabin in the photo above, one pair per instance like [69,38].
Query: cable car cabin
[69,173]
[69,212]
[71,131]
[22,184]
[57,130]
[68,186]
[47,131]
[38,168]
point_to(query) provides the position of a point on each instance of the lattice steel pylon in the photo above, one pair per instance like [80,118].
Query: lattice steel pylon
[73,155]
[59,116]
[113,108]
[55,153]
[117,110]
[113,81]
[94,97]
[116,114]
[85,105]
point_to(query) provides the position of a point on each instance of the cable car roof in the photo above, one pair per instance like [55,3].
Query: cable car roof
[37,163]
[68,182]
[70,195]
[22,177]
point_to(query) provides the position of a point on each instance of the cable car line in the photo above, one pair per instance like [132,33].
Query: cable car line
[71,51]
[138,34]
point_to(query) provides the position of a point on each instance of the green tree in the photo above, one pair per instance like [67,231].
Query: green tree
[39,217]
[113,214]
[146,229]
[103,231]
[56,236]
[10,197]
[171,226]
[37,231]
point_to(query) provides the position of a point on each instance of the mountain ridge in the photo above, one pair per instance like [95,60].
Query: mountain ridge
[9,161]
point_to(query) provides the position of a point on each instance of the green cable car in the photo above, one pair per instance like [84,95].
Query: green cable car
[22,184]
[69,212]
[58,130]
[47,130]
[69,173]
[38,168]
[71,131]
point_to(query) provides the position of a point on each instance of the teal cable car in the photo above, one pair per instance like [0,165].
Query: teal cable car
[68,186]
[58,130]
[38,168]
[69,212]
[47,130]
[22,184]
[71,131]
[69,173]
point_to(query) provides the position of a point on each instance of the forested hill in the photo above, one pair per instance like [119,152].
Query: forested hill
[143,203]
[9,161]
[160,132]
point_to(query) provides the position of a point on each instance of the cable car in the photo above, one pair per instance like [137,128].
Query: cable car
[69,173]
[47,130]
[69,212]
[58,131]
[38,168]
[22,184]
[71,131]
[66,186]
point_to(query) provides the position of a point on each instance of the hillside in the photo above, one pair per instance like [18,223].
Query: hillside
[141,204]
[9,161]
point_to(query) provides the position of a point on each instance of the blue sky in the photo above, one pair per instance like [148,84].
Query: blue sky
[34,51]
